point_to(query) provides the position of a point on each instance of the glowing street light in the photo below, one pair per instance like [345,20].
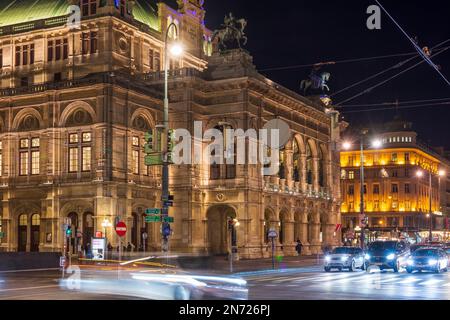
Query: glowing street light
[176,49]
[347,145]
[377,143]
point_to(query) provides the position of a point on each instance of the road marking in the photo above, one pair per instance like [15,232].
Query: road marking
[29,288]
[430,282]
[29,270]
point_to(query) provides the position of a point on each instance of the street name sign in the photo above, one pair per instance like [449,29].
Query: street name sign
[168,219]
[152,211]
[154,218]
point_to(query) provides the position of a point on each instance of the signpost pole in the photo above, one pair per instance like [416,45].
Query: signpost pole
[273,256]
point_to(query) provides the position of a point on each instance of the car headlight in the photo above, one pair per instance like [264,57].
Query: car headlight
[344,258]
[367,256]
[391,256]
[327,258]
[432,262]
[410,262]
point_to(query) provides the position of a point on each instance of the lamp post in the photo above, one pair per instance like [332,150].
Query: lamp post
[232,224]
[175,50]
[440,174]
[363,218]
[106,224]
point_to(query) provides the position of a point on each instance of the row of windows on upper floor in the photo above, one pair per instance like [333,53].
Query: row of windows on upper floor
[382,173]
[397,139]
[394,189]
[58,50]
[79,155]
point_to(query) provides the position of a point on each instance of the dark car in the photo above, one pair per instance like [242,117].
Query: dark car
[415,247]
[391,254]
[350,258]
[429,259]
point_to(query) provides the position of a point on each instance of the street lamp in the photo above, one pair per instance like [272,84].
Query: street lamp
[176,50]
[106,224]
[347,145]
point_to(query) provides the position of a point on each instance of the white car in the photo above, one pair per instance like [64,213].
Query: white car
[350,258]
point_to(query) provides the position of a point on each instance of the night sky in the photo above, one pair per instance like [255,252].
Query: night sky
[298,32]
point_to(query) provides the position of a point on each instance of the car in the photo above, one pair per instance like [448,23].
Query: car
[391,254]
[350,258]
[429,259]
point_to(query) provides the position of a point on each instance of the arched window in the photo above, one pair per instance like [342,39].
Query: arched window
[35,220]
[222,171]
[296,161]
[23,220]
[282,169]
[321,169]
[309,165]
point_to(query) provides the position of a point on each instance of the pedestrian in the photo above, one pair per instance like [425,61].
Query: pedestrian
[299,247]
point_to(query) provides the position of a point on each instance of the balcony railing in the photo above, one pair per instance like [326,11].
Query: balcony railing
[120,78]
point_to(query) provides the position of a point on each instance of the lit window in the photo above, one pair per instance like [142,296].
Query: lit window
[376,205]
[73,159]
[35,162]
[351,175]
[135,141]
[135,161]
[87,137]
[23,143]
[73,138]
[23,164]
[35,142]
[35,220]
[86,158]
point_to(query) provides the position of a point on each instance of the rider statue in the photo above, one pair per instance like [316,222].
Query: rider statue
[231,32]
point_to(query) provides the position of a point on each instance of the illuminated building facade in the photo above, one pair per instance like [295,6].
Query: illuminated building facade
[396,199]
[75,104]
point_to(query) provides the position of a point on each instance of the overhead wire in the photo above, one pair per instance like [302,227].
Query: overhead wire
[400,107]
[390,78]
[418,49]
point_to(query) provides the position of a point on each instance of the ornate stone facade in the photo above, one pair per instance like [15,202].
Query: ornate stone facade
[72,139]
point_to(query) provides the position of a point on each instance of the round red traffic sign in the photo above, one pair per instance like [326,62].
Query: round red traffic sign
[121,229]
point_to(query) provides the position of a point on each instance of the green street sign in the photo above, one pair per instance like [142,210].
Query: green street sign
[2,234]
[152,219]
[153,211]
[168,219]
[153,160]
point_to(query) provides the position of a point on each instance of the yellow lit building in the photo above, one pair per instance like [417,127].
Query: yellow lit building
[396,198]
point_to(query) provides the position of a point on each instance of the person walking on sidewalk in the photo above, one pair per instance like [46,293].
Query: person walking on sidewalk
[298,247]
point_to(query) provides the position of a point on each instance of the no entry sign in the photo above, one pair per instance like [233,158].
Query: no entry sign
[121,229]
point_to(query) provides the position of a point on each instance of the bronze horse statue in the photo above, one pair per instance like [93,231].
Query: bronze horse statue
[232,32]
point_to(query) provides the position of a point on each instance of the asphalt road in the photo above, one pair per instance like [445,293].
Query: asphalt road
[312,283]
[305,283]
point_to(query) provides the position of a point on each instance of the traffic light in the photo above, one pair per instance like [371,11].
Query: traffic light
[69,231]
[148,147]
[170,144]
[170,140]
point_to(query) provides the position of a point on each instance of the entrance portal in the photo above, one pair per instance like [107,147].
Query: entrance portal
[218,234]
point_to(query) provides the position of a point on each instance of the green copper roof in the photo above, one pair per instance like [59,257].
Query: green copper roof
[20,11]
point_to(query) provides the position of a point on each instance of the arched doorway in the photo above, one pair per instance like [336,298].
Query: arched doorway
[35,232]
[22,233]
[218,234]
[73,216]
[88,228]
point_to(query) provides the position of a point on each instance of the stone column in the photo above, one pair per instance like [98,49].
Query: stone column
[289,169]
[289,241]
[302,170]
[315,229]
[316,174]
